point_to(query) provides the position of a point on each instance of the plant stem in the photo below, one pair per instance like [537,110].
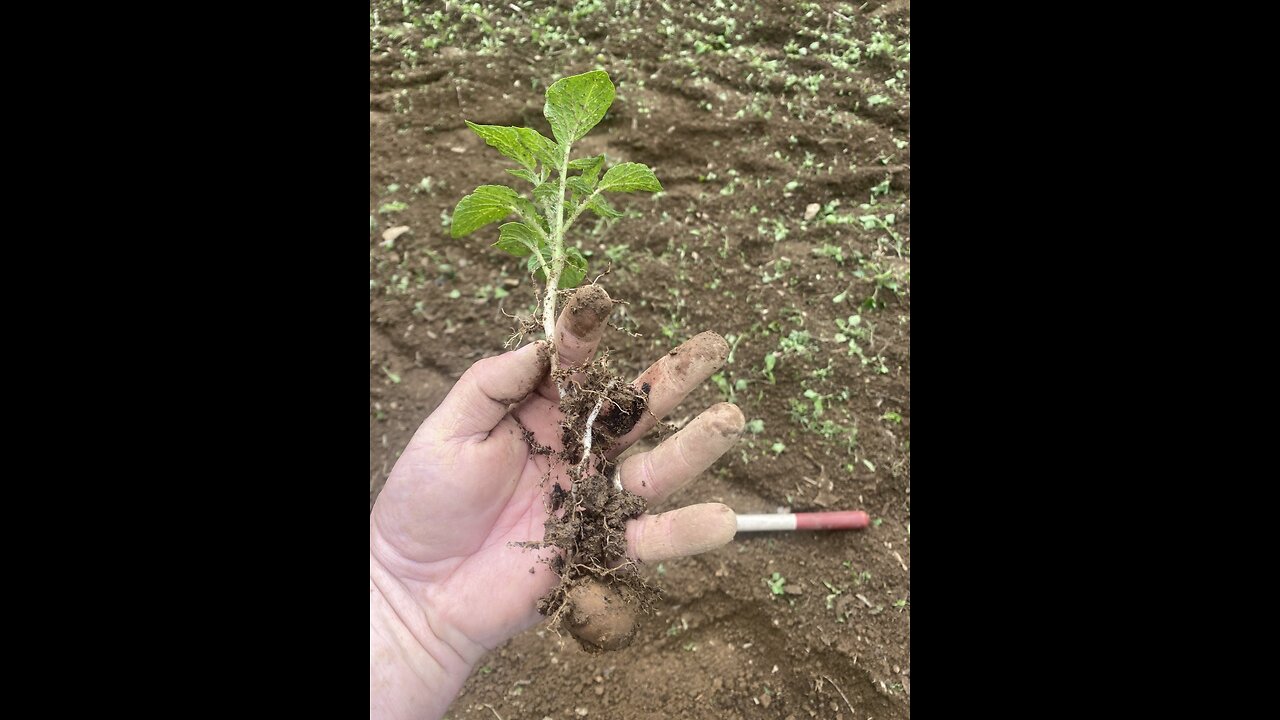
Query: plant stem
[585,463]
[549,313]
[581,207]
[556,268]
[553,272]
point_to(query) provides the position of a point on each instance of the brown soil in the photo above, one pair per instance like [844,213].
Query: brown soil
[746,133]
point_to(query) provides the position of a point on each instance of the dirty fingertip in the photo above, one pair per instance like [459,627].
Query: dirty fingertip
[727,419]
[587,311]
[710,347]
[722,524]
[688,531]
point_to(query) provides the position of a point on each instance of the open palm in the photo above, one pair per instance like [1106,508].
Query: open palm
[467,486]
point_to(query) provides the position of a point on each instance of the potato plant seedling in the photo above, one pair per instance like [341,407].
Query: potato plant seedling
[574,106]
[598,590]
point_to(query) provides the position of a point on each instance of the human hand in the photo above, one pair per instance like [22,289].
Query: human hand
[445,584]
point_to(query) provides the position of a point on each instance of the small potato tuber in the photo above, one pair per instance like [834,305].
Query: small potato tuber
[600,617]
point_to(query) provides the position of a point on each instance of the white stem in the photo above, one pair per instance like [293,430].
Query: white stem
[553,270]
[586,437]
[549,308]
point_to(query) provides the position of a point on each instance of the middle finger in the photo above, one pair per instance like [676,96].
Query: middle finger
[671,379]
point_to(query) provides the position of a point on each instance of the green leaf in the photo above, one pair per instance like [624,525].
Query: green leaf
[523,145]
[584,163]
[590,168]
[545,194]
[506,141]
[576,104]
[488,203]
[525,175]
[601,207]
[575,268]
[629,177]
[543,148]
[517,239]
[579,185]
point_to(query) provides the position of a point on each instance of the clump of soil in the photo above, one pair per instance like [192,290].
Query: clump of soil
[600,589]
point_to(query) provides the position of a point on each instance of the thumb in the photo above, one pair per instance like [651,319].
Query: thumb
[480,399]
